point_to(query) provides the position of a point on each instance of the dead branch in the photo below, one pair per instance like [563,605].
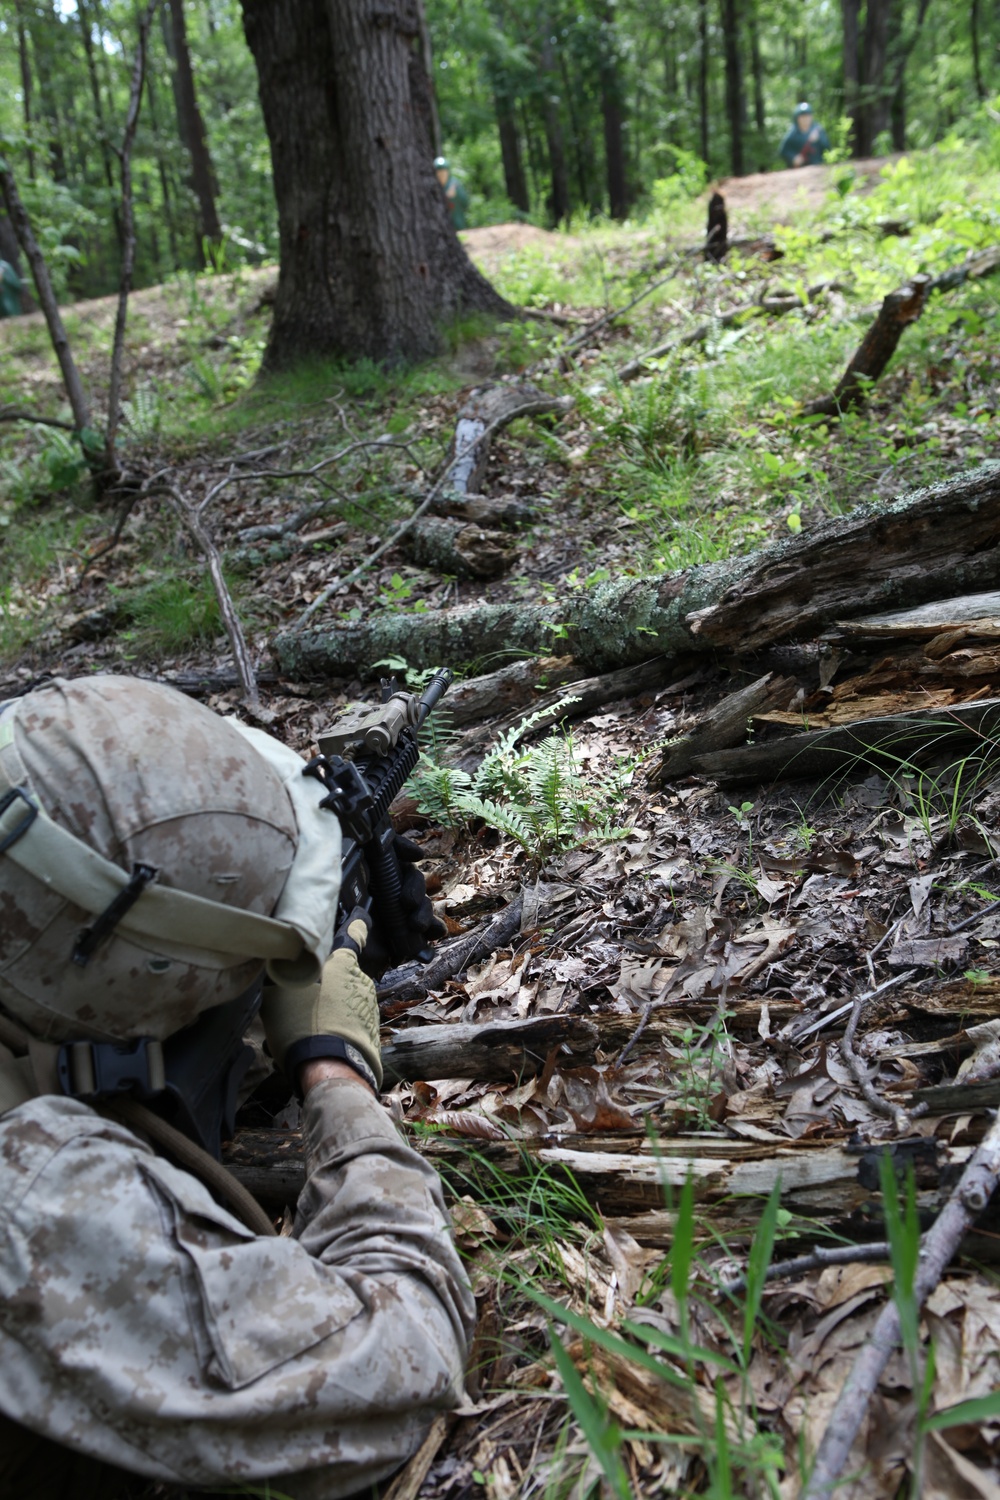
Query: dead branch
[9,414]
[938,1246]
[772,305]
[619,312]
[128,231]
[415,980]
[898,311]
[192,519]
[459,549]
[816,1260]
[880,741]
[894,1112]
[16,212]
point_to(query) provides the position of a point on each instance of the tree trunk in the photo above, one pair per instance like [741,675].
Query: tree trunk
[899,309]
[46,24]
[510,150]
[370,262]
[25,67]
[757,67]
[611,109]
[735,110]
[851,11]
[940,541]
[703,77]
[874,111]
[87,37]
[427,58]
[192,132]
[559,203]
[165,188]
[977,67]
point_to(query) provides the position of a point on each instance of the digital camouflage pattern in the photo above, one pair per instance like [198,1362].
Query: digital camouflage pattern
[143,1325]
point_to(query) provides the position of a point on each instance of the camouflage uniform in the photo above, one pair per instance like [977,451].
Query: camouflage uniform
[143,1325]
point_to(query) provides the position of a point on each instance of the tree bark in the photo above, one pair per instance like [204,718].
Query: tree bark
[25,67]
[45,28]
[192,132]
[899,309]
[86,36]
[874,103]
[735,110]
[79,405]
[613,115]
[559,202]
[371,265]
[944,540]
[703,78]
[850,12]
[515,183]
[757,67]
[459,548]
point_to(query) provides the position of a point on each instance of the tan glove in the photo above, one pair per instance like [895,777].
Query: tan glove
[336,1018]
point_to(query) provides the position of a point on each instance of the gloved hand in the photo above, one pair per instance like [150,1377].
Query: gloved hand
[336,1018]
[422,926]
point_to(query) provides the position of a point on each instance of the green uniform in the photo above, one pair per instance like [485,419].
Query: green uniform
[458,201]
[10,291]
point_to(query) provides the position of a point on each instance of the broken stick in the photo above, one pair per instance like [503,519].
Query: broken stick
[937,1248]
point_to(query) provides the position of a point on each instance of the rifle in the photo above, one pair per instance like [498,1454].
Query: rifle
[383,748]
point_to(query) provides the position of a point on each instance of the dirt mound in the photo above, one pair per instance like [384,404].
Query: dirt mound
[492,244]
[783,192]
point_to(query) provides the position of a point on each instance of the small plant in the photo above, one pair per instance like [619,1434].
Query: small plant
[535,795]
[700,1055]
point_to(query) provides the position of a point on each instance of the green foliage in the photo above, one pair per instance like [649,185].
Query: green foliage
[171,613]
[535,795]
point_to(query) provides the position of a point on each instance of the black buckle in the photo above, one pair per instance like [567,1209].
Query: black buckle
[6,801]
[90,1070]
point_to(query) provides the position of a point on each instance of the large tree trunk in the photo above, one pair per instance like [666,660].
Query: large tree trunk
[370,262]
[936,542]
[730,16]
[192,131]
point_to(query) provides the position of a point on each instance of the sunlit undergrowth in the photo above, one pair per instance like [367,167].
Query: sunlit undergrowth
[704,455]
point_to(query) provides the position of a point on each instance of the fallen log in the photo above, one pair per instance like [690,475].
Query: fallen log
[485,412]
[626,1173]
[879,743]
[412,981]
[517,686]
[971,614]
[547,709]
[938,541]
[722,726]
[459,548]
[499,512]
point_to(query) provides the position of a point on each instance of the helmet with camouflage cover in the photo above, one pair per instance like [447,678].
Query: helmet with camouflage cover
[153,857]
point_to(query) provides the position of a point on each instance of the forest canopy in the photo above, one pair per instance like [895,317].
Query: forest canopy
[548,112]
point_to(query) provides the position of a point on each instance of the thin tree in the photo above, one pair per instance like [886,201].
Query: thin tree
[192,129]
[559,200]
[613,117]
[370,262]
[703,77]
[25,66]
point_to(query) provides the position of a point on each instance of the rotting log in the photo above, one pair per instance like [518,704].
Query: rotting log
[972,614]
[510,689]
[459,548]
[942,540]
[498,512]
[506,1051]
[483,414]
[626,1173]
[880,742]
[547,709]
[722,726]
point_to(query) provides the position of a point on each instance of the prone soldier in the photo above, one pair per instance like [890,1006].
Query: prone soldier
[156,864]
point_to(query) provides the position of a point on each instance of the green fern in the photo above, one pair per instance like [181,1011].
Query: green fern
[534,795]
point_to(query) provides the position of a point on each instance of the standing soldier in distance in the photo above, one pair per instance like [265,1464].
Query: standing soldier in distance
[806,142]
[454,191]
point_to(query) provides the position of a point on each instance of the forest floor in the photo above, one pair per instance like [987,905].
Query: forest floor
[732,926]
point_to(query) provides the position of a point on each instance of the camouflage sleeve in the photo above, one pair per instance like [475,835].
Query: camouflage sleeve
[141,1324]
[372,1206]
